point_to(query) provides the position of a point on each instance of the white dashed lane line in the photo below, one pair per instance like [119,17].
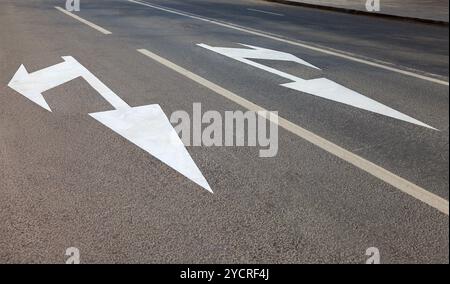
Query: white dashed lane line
[265,12]
[92,25]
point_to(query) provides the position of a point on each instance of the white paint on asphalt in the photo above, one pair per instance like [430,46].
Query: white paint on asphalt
[92,25]
[330,90]
[319,87]
[150,129]
[346,55]
[265,12]
[400,183]
[255,52]
[32,85]
[147,126]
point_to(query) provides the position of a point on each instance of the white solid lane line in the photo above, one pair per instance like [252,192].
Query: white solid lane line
[401,184]
[337,53]
[92,25]
[265,12]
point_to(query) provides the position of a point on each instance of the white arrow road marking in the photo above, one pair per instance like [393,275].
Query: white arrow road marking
[330,90]
[20,84]
[32,85]
[254,52]
[320,87]
[150,129]
[146,126]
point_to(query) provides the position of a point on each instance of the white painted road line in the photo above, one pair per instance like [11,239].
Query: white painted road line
[92,25]
[346,55]
[265,12]
[401,184]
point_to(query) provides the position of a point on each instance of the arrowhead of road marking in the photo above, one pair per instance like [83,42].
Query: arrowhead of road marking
[330,90]
[20,83]
[149,128]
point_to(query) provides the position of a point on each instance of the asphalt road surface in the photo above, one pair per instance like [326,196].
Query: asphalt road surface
[344,179]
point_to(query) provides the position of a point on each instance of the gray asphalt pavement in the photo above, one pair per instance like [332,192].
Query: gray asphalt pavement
[68,181]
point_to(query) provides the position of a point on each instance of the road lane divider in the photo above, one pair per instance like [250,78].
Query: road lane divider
[92,25]
[394,180]
[333,52]
[265,12]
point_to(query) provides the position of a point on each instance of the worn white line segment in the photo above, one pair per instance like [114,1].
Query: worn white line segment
[341,54]
[401,184]
[265,12]
[92,25]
